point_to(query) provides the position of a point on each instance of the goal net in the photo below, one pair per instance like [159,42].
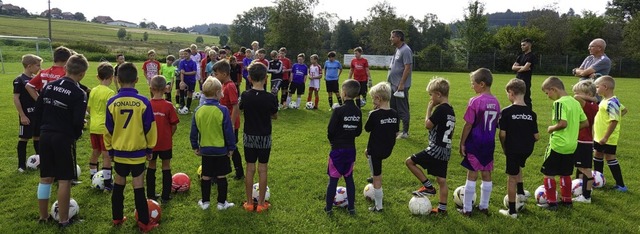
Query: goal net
[13,47]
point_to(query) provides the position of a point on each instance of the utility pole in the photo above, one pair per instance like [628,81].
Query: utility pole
[49,16]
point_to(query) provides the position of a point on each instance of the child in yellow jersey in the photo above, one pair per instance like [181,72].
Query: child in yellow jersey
[97,108]
[130,138]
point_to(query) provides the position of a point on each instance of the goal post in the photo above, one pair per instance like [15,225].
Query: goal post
[13,47]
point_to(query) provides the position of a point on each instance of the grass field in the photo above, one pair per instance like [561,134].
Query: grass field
[297,178]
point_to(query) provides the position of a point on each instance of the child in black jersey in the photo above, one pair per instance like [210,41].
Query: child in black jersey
[383,126]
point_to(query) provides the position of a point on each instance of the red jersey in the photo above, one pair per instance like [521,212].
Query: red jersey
[151,69]
[203,68]
[263,61]
[359,67]
[45,76]
[230,98]
[239,57]
[586,134]
[286,65]
[165,116]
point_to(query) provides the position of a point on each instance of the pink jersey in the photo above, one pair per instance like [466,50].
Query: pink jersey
[483,113]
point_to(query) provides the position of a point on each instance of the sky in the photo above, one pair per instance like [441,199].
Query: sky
[164,14]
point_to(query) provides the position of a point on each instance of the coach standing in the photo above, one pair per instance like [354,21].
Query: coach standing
[523,67]
[400,78]
[596,64]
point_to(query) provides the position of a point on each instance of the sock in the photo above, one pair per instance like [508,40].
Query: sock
[189,102]
[586,193]
[520,187]
[167,96]
[598,164]
[205,186]
[117,202]
[298,101]
[550,190]
[378,194]
[614,167]
[427,184]
[22,154]
[565,188]
[285,98]
[106,173]
[178,97]
[36,146]
[578,173]
[331,101]
[183,95]
[222,189]
[351,192]
[442,206]
[151,182]
[331,193]
[339,100]
[485,194]
[166,183]
[141,206]
[469,191]
[512,208]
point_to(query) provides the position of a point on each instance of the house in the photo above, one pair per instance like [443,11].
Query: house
[68,16]
[102,19]
[123,23]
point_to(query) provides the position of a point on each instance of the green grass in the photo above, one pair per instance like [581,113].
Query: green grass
[297,178]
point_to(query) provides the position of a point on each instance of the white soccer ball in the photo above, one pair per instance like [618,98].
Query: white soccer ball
[335,105]
[256,192]
[369,192]
[598,179]
[197,95]
[576,187]
[519,203]
[97,181]
[33,162]
[183,111]
[541,195]
[309,105]
[293,105]
[340,199]
[73,209]
[420,205]
[458,196]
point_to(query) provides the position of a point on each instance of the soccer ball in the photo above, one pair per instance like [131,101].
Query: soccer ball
[363,103]
[519,204]
[33,162]
[576,187]
[73,209]
[309,105]
[369,192]
[199,172]
[256,192]
[183,111]
[458,196]
[197,95]
[155,212]
[335,105]
[340,199]
[293,105]
[598,179]
[180,182]
[97,181]
[78,171]
[541,195]
[420,205]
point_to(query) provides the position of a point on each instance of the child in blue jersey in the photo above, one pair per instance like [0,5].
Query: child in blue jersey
[300,72]
[332,71]
[130,138]
[246,61]
[212,139]
[188,70]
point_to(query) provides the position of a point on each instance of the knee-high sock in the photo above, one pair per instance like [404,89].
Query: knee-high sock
[189,100]
[22,154]
[586,180]
[222,190]
[469,191]
[331,101]
[550,189]
[351,192]
[331,193]
[36,146]
[485,194]
[378,198]
[598,164]
[565,188]
[166,183]
[339,100]
[614,166]
[151,182]
[141,205]
[205,186]
[117,202]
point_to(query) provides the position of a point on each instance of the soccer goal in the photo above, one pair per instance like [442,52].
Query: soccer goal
[13,47]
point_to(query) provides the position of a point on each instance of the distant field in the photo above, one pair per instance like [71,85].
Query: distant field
[67,32]
[297,177]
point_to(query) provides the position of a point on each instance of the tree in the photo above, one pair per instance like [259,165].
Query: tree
[143,24]
[145,36]
[555,28]
[343,38]
[622,10]
[199,39]
[288,18]
[378,25]
[435,32]
[79,16]
[250,26]
[632,38]
[152,25]
[474,29]
[122,33]
[584,29]
[128,37]
[163,28]
[508,38]
[224,39]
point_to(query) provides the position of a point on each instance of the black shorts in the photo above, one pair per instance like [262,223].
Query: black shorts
[57,157]
[123,169]
[605,149]
[363,88]
[584,155]
[178,85]
[332,86]
[164,155]
[375,165]
[435,167]
[557,164]
[214,166]
[35,126]
[26,131]
[296,88]
[284,85]
[275,86]
[252,155]
[191,86]
[515,162]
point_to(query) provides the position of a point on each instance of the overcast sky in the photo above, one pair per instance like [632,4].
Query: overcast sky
[208,11]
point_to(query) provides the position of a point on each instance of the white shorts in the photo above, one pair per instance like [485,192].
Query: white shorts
[315,83]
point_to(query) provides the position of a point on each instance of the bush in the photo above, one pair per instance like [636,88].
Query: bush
[122,33]
[199,39]
[88,47]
